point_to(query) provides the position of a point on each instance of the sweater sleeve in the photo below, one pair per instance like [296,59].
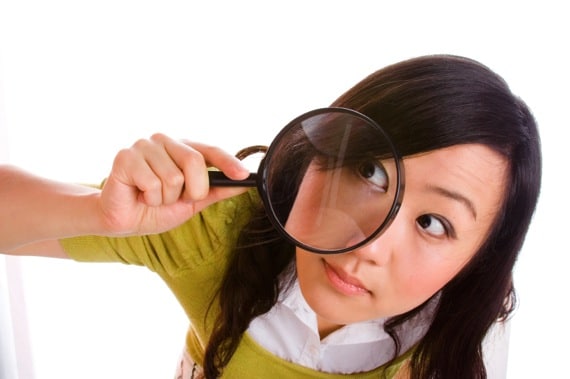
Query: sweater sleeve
[189,245]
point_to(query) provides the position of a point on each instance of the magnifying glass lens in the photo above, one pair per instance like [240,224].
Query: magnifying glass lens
[332,180]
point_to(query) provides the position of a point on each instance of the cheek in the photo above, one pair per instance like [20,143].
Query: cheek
[310,277]
[308,269]
[422,279]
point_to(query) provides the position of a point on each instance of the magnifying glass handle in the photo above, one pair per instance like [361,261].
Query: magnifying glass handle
[218,179]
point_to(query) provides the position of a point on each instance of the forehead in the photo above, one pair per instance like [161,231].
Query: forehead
[473,171]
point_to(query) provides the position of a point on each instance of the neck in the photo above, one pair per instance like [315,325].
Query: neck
[326,327]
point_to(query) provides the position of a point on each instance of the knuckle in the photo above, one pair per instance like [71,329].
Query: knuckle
[124,157]
[153,185]
[174,179]
[193,158]
[141,143]
[158,137]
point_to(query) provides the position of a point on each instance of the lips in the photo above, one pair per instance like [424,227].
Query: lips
[343,282]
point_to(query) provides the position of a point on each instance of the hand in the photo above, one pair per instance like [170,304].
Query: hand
[159,183]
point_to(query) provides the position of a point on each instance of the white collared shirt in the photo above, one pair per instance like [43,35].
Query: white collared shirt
[289,330]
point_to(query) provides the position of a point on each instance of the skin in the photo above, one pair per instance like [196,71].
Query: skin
[451,199]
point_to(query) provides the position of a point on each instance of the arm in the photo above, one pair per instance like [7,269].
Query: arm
[37,211]
[153,186]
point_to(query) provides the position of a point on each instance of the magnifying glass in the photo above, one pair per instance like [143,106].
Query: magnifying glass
[331,181]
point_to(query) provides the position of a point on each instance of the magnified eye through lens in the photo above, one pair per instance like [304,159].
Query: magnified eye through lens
[375,173]
[331,180]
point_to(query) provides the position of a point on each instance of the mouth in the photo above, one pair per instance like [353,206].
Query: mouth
[344,283]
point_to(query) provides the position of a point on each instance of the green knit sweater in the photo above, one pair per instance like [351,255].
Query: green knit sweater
[192,259]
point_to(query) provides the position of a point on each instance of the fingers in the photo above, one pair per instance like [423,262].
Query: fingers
[222,160]
[186,163]
[165,171]
[143,170]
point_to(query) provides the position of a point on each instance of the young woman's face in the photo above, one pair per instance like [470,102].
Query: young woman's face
[451,198]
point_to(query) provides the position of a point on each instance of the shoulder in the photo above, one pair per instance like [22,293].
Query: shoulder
[211,234]
[234,210]
[223,220]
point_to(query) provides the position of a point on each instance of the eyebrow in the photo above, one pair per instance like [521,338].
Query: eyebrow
[457,197]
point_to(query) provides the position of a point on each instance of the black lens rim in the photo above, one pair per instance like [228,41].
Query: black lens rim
[263,171]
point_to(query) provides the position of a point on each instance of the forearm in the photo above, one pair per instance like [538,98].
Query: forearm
[35,209]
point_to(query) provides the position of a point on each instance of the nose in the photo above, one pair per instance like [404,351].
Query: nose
[381,250]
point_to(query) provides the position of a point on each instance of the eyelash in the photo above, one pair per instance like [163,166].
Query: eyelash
[448,230]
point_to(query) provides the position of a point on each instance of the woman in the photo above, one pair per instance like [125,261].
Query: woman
[415,302]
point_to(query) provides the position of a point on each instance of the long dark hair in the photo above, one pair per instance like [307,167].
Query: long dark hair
[424,103]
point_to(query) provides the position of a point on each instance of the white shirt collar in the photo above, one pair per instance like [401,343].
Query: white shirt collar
[289,330]
[361,332]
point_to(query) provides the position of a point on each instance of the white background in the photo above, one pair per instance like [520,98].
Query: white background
[83,79]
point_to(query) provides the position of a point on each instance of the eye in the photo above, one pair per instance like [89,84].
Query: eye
[375,173]
[435,226]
